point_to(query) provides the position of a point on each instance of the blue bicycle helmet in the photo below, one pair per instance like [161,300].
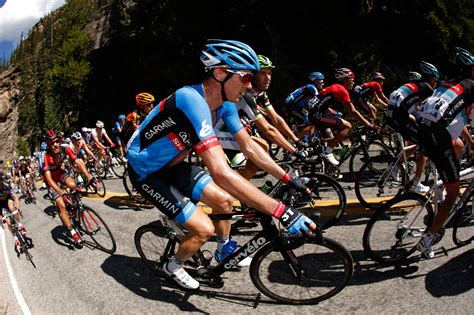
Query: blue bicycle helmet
[120,117]
[230,54]
[316,76]
[428,69]
[463,57]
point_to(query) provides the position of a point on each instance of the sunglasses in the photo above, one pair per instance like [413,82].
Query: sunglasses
[55,142]
[245,77]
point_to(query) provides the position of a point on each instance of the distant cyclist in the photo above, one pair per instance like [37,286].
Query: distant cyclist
[145,103]
[99,135]
[368,93]
[184,121]
[443,117]
[117,130]
[402,108]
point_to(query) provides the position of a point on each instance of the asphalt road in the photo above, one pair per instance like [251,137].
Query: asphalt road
[89,281]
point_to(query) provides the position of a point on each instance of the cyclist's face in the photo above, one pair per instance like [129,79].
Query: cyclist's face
[262,79]
[348,83]
[319,84]
[54,145]
[236,86]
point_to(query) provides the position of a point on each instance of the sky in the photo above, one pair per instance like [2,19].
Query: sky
[17,16]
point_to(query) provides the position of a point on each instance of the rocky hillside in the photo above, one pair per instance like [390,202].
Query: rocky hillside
[9,98]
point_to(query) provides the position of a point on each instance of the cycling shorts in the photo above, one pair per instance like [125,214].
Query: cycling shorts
[400,121]
[174,190]
[325,119]
[362,104]
[436,141]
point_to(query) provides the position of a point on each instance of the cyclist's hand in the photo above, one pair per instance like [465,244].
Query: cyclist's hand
[300,144]
[296,222]
[375,127]
[301,154]
[297,184]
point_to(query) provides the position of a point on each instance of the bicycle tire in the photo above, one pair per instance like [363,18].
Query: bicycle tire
[325,259]
[332,196]
[373,178]
[463,228]
[387,239]
[118,166]
[25,248]
[131,191]
[94,225]
[376,148]
[152,242]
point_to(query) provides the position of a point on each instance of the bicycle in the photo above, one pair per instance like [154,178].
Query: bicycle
[394,230]
[282,264]
[26,243]
[87,221]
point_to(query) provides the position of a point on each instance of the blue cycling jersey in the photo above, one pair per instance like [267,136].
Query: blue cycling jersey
[301,96]
[180,122]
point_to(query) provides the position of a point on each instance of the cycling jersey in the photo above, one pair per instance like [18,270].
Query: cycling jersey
[55,163]
[450,106]
[117,128]
[410,95]
[261,99]
[299,98]
[79,150]
[24,169]
[333,95]
[99,135]
[180,122]
[246,109]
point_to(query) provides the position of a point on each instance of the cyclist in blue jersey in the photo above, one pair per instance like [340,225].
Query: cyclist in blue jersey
[442,118]
[117,130]
[183,121]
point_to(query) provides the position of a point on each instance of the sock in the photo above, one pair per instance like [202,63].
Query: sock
[221,241]
[174,265]
[328,150]
[416,181]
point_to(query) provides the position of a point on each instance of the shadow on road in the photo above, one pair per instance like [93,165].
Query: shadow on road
[51,211]
[125,203]
[59,236]
[133,274]
[454,277]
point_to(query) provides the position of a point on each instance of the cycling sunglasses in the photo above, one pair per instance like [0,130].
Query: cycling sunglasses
[245,77]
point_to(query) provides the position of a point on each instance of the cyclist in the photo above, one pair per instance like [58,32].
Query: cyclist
[54,173]
[80,148]
[98,136]
[25,172]
[403,104]
[86,135]
[322,115]
[183,121]
[260,86]
[368,92]
[7,205]
[443,117]
[117,130]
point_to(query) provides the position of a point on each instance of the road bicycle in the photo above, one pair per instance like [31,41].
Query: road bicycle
[87,221]
[288,269]
[26,242]
[394,230]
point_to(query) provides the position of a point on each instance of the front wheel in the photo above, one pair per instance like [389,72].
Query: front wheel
[98,230]
[463,230]
[394,230]
[314,271]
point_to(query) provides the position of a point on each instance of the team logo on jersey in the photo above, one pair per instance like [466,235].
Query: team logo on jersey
[185,137]
[206,129]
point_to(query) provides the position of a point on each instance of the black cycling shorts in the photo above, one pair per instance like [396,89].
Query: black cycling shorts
[362,104]
[174,191]
[400,121]
[436,141]
[325,120]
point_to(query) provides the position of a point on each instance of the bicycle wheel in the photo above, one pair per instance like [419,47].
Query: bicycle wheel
[327,197]
[308,274]
[463,229]
[394,230]
[98,230]
[118,166]
[375,148]
[131,191]
[378,181]
[25,248]
[154,246]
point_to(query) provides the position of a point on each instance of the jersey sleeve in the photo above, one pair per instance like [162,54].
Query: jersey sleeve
[194,106]
[231,117]
[69,153]
[341,95]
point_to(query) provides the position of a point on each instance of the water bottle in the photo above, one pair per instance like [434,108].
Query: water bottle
[342,152]
[266,187]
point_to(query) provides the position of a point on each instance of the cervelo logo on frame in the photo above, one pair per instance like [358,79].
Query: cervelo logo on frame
[206,129]
[249,249]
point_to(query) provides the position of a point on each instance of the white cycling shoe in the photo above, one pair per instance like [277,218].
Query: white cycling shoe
[330,158]
[182,278]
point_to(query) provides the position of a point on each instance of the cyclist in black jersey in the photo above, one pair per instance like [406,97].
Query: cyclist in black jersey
[158,148]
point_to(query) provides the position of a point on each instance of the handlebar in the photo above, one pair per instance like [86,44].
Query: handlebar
[9,215]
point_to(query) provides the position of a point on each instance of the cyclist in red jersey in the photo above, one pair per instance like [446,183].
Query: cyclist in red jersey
[54,172]
[323,115]
[369,92]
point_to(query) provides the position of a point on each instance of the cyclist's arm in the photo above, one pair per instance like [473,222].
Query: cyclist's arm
[349,107]
[234,184]
[280,123]
[108,139]
[380,99]
[273,134]
[257,154]
[82,168]
[51,183]
[86,148]
[383,98]
[467,137]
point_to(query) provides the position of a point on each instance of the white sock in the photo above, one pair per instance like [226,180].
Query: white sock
[416,181]
[328,150]
[221,241]
[174,265]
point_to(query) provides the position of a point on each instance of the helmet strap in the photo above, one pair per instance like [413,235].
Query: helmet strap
[223,95]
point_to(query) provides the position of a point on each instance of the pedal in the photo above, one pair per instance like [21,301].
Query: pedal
[207,277]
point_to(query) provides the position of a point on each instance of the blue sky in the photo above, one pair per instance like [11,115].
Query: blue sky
[17,16]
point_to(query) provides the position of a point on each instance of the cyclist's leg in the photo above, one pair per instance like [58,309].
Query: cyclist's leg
[342,129]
